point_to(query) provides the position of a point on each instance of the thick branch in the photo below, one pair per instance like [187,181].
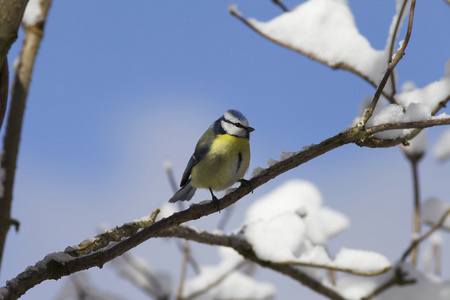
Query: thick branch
[51,268]
[11,13]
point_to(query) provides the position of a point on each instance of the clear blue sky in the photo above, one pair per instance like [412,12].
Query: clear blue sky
[120,87]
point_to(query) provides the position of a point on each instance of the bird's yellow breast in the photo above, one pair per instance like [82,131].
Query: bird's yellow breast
[225,163]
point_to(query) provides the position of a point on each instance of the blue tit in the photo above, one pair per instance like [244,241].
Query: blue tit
[220,159]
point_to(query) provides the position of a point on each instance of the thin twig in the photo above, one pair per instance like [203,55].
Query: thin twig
[394,37]
[426,235]
[408,125]
[281,5]
[183,270]
[399,278]
[153,285]
[414,158]
[441,104]
[197,293]
[390,69]
[187,257]
[416,217]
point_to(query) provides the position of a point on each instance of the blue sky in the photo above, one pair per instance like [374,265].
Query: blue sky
[117,89]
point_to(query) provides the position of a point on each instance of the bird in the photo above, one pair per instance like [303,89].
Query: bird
[221,158]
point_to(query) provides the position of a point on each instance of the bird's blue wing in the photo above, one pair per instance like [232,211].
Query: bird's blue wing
[203,145]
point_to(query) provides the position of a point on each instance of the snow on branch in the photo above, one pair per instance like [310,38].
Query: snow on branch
[325,31]
[96,252]
[290,226]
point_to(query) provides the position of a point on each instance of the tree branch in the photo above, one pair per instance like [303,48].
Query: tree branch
[19,93]
[103,248]
[391,47]
[390,69]
[245,249]
[426,235]
[10,16]
[280,5]
[339,65]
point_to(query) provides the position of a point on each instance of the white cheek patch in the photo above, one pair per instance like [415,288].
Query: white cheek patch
[233,129]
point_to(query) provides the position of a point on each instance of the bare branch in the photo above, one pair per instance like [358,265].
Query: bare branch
[426,235]
[19,93]
[441,104]
[280,4]
[409,125]
[4,85]
[394,37]
[10,16]
[186,254]
[399,278]
[391,67]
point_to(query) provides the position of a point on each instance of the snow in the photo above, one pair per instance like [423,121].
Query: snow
[226,281]
[300,197]
[286,155]
[256,171]
[233,9]
[271,162]
[290,225]
[33,13]
[361,261]
[429,95]
[166,210]
[326,30]
[442,148]
[432,212]
[427,286]
[278,239]
[418,145]
[144,219]
[398,7]
[393,113]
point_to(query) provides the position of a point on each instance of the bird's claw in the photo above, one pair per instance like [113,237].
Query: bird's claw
[247,183]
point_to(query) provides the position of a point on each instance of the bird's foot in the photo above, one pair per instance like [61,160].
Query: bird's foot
[216,203]
[215,200]
[247,183]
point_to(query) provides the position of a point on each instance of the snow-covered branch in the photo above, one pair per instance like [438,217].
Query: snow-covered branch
[336,43]
[101,249]
[390,69]
[245,249]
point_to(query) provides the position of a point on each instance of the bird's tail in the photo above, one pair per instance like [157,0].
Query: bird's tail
[186,192]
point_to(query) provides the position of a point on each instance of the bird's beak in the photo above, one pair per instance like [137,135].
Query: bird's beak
[250,129]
